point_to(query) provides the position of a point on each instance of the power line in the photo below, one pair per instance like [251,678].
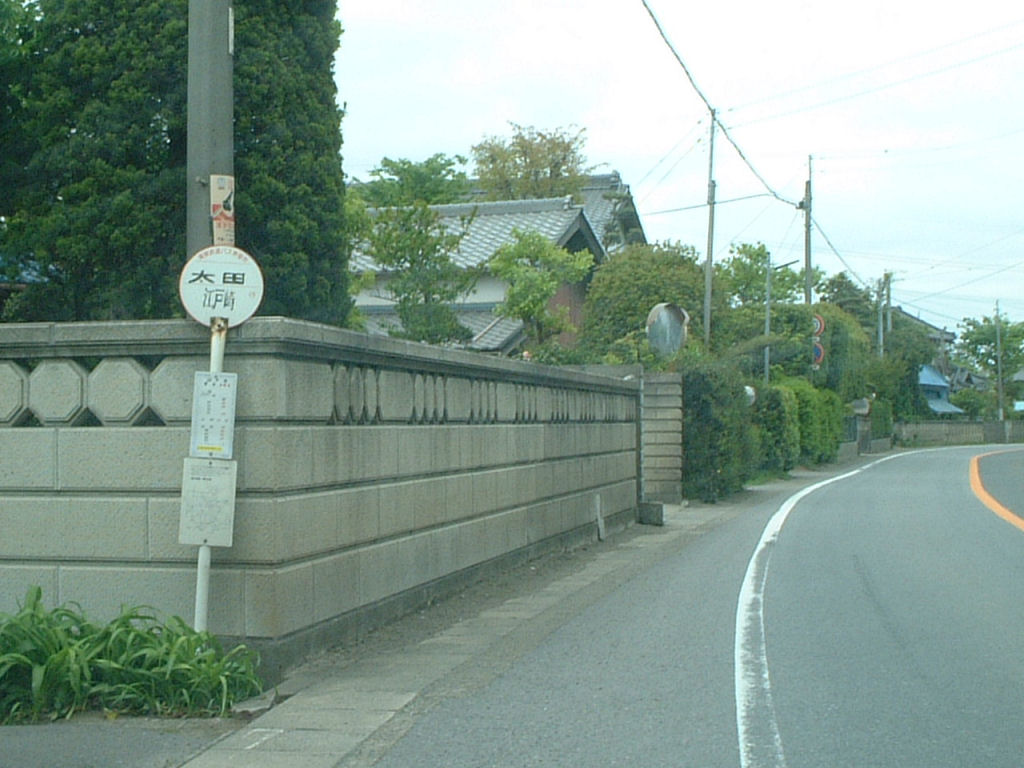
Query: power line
[705,205]
[714,114]
[838,255]
[901,59]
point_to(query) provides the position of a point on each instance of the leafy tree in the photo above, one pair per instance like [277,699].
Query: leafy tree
[532,163]
[625,288]
[436,180]
[992,343]
[745,273]
[979,406]
[841,291]
[894,378]
[412,245]
[535,269]
[99,215]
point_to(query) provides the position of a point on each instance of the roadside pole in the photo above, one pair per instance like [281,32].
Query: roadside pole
[220,287]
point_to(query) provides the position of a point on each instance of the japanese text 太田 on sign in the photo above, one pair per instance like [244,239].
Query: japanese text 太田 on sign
[221,281]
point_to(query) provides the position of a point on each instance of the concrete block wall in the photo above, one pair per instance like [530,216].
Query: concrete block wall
[368,469]
[663,437]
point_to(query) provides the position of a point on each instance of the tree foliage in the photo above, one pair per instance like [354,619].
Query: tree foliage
[14,77]
[626,287]
[415,250]
[532,163]
[982,343]
[436,180]
[288,156]
[745,277]
[842,292]
[719,442]
[99,216]
[534,269]
[894,377]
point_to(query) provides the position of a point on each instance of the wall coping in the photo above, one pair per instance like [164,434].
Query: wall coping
[283,337]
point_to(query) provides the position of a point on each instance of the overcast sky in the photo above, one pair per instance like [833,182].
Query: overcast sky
[912,113]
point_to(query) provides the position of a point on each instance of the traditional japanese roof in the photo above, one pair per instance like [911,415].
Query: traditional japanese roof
[491,224]
[936,390]
[930,376]
[611,210]
[491,332]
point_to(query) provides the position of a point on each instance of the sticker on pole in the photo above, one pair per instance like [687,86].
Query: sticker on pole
[221,281]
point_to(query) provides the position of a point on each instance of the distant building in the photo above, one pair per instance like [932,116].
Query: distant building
[560,220]
[604,220]
[935,387]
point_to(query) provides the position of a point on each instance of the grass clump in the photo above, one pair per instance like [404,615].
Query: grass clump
[56,662]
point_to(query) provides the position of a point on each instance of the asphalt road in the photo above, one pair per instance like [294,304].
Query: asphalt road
[864,617]
[882,626]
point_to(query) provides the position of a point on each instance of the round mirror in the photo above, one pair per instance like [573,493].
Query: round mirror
[667,328]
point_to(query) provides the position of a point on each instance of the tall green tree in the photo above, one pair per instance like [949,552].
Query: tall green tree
[415,249]
[626,287]
[841,291]
[535,268]
[288,155]
[14,76]
[532,163]
[99,216]
[436,181]
[745,276]
[992,344]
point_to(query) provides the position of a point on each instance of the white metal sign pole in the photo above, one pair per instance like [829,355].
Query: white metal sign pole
[218,341]
[220,286]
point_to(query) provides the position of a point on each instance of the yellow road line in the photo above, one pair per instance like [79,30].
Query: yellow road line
[987,498]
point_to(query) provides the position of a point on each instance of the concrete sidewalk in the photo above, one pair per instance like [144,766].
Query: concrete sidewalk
[349,716]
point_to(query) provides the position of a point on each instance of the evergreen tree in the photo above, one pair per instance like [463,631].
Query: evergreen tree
[99,216]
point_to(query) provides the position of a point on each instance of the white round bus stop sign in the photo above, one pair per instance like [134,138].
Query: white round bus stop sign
[221,281]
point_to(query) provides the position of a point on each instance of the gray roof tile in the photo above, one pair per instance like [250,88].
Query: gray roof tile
[493,223]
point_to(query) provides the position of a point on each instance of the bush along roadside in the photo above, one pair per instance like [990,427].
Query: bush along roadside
[56,662]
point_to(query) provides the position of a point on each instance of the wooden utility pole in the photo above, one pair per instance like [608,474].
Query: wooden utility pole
[711,236]
[806,205]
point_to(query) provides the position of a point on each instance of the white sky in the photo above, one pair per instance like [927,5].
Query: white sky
[912,110]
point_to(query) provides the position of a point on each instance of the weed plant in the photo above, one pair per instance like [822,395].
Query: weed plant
[56,662]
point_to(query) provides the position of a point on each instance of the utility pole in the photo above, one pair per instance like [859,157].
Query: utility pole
[999,363]
[806,205]
[711,236]
[888,302]
[210,124]
[210,169]
[881,330]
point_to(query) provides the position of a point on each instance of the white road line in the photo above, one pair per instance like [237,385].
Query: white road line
[760,742]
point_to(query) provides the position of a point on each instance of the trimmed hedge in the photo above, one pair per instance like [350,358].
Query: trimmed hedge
[777,418]
[719,441]
[820,420]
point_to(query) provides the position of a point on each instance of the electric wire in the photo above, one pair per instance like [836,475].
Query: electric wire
[714,114]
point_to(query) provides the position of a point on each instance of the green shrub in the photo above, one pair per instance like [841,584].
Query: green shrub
[820,419]
[719,444]
[55,663]
[777,416]
[881,419]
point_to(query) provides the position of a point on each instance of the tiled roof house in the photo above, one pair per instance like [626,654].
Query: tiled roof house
[607,207]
